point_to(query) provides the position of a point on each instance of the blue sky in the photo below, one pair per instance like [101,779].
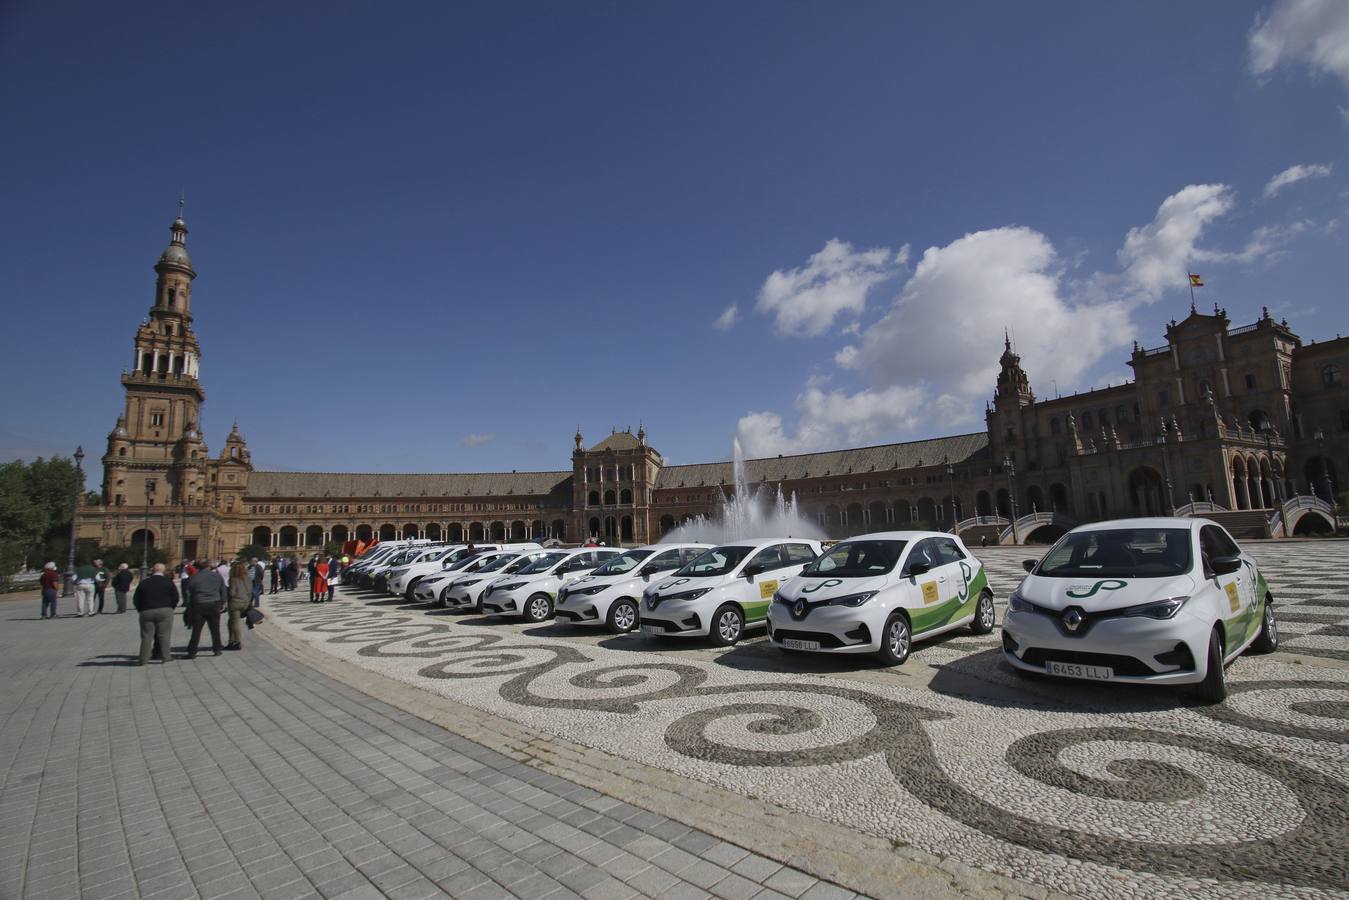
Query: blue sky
[485,224]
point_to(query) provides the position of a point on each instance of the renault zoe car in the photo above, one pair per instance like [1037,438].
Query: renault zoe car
[464,591]
[724,590]
[1153,601]
[530,591]
[609,595]
[432,588]
[878,593]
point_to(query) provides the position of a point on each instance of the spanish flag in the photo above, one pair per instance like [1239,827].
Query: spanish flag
[1195,280]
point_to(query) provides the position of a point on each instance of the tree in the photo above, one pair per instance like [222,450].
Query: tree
[35,500]
[253,551]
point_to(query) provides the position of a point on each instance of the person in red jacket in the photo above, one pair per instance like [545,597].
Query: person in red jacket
[51,581]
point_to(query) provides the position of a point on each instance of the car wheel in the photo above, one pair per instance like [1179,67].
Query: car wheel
[1213,689]
[445,597]
[622,617]
[896,640]
[984,617]
[539,608]
[1267,641]
[410,593]
[728,624]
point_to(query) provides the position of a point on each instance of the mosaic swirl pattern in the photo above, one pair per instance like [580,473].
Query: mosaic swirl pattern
[1100,792]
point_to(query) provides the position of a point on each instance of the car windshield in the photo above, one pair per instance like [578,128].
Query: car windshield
[443,552]
[1119,553]
[623,563]
[543,563]
[856,559]
[497,564]
[520,562]
[459,563]
[717,561]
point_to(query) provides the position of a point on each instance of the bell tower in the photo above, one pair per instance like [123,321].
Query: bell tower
[157,438]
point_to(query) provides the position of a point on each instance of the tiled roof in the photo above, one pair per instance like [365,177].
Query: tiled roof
[355,484]
[881,458]
[619,440]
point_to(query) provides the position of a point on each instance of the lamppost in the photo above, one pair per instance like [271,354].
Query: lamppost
[145,534]
[951,481]
[74,520]
[1320,437]
[1267,431]
[1168,505]
[1009,467]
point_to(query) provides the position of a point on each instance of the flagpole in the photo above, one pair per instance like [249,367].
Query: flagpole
[1190,280]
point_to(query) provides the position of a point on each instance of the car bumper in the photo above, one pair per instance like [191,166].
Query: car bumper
[459,598]
[504,605]
[670,619]
[835,629]
[1129,647]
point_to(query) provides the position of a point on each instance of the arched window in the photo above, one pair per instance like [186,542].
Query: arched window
[593,499]
[1086,421]
[1054,425]
[1331,376]
[610,498]
[121,451]
[625,496]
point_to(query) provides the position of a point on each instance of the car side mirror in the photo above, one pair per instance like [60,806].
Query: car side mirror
[919,568]
[1028,565]
[1225,565]
[750,572]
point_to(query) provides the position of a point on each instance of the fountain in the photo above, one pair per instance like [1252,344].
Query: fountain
[748,513]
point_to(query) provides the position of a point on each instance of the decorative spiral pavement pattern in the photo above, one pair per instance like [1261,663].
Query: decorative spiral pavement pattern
[1098,790]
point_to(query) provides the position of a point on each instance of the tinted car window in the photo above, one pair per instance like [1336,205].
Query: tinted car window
[856,559]
[717,561]
[768,558]
[665,561]
[1213,541]
[924,552]
[950,550]
[1119,553]
[800,553]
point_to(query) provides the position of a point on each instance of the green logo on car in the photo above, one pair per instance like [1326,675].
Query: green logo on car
[1109,584]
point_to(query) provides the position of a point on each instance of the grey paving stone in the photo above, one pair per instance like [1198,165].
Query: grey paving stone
[790,882]
[756,868]
[736,887]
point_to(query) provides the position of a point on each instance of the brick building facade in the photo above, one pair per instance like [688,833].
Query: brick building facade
[1241,418]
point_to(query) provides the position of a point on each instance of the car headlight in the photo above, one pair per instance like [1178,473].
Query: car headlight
[467,581]
[778,598]
[1018,603]
[586,591]
[1162,609]
[508,587]
[853,600]
[687,595]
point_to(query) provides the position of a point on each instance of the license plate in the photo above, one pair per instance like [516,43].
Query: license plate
[793,644]
[1077,670]
[652,629]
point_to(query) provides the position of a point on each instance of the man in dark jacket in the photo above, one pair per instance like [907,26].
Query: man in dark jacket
[155,600]
[205,600]
[121,585]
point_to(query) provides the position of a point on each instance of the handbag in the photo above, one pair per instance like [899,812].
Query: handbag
[189,616]
[253,617]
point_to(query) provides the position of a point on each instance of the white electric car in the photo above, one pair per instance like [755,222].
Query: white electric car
[464,591]
[609,595]
[432,587]
[403,580]
[1156,601]
[530,591]
[878,593]
[724,590]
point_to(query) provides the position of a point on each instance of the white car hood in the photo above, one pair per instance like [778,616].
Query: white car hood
[812,589]
[1102,594]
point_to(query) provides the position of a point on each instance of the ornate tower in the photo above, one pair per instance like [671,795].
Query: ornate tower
[157,439]
[1006,428]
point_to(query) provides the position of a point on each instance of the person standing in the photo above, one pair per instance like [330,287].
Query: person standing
[155,600]
[334,568]
[318,580]
[255,581]
[51,583]
[84,589]
[121,586]
[222,569]
[240,597]
[276,575]
[206,597]
[101,575]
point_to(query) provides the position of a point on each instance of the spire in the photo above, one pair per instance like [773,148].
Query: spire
[1006,339]
[175,254]
[182,199]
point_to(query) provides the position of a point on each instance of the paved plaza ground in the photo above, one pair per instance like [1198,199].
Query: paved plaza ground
[372,745]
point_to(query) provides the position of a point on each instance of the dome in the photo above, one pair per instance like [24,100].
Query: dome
[176,255]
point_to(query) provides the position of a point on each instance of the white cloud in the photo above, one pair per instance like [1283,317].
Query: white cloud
[804,302]
[1294,174]
[1156,256]
[827,419]
[729,316]
[477,440]
[1311,32]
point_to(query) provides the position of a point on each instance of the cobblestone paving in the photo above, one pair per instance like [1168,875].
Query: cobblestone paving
[251,775]
[1098,790]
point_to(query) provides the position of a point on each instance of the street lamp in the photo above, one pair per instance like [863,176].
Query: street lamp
[74,520]
[1320,437]
[1168,505]
[1009,467]
[145,534]
[951,481]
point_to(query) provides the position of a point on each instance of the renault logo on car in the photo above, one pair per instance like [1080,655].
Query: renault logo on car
[1072,618]
[799,608]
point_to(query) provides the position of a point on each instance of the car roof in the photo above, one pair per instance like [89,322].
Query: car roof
[758,543]
[898,536]
[674,545]
[1146,522]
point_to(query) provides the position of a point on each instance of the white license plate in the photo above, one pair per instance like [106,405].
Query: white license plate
[793,644]
[1077,670]
[652,629]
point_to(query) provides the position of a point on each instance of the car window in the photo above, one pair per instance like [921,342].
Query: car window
[543,563]
[1119,553]
[800,553]
[856,559]
[717,561]
[768,559]
[924,552]
[623,563]
[664,561]
[1213,541]
[949,550]
[497,563]
[689,554]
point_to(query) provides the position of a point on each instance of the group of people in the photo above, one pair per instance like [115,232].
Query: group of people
[323,575]
[91,586]
[207,593]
